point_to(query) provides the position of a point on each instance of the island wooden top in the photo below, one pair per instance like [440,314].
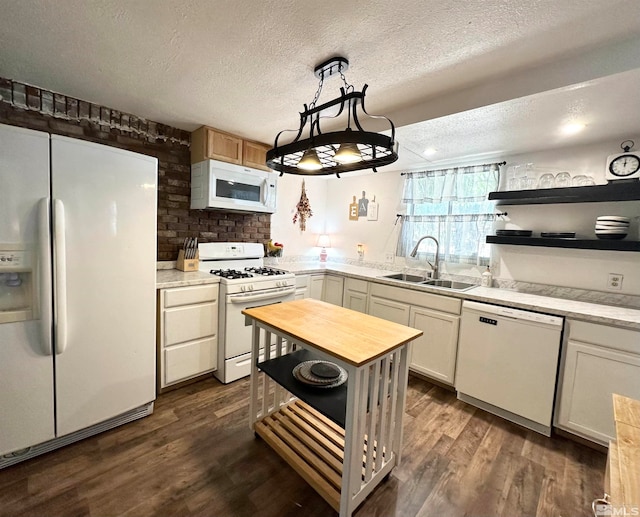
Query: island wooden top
[624,454]
[345,334]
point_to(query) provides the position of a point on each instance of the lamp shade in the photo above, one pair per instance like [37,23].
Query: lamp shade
[310,161]
[324,241]
[348,153]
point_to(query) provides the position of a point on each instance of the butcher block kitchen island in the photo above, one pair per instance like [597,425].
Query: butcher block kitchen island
[342,437]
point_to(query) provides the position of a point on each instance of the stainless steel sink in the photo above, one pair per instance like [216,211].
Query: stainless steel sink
[449,284]
[405,277]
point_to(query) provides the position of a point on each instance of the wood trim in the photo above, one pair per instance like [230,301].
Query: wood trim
[198,148]
[210,143]
[254,154]
[624,457]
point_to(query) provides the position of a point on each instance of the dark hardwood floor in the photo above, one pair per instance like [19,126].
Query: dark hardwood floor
[197,456]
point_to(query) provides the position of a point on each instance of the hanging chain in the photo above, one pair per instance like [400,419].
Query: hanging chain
[347,87]
[317,95]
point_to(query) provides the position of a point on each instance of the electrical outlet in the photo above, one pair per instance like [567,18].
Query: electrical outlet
[389,257]
[615,281]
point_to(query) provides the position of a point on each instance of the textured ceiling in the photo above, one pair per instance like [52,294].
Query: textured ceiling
[247,66]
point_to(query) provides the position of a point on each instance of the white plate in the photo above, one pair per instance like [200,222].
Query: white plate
[607,232]
[603,226]
[618,218]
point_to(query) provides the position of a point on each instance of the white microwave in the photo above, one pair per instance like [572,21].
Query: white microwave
[226,186]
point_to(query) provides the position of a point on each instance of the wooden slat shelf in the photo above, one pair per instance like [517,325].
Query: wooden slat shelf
[316,458]
[623,479]
[587,244]
[618,191]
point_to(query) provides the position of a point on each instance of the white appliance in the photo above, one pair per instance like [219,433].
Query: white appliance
[77,290]
[507,363]
[244,283]
[226,186]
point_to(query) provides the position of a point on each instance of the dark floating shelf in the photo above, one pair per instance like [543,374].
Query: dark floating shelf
[586,244]
[618,191]
[331,402]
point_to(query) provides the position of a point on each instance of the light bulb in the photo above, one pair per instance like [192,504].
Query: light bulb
[348,153]
[310,161]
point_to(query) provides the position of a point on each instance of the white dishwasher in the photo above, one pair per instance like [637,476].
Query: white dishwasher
[507,363]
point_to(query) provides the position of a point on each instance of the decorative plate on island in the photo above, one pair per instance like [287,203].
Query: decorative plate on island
[320,374]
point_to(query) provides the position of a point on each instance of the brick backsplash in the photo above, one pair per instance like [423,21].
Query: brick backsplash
[31,107]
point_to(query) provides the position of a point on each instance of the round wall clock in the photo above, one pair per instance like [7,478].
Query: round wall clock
[623,166]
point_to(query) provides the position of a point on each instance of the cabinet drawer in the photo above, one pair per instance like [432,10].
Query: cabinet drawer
[302,280]
[354,284]
[188,295]
[191,322]
[603,335]
[190,359]
[428,300]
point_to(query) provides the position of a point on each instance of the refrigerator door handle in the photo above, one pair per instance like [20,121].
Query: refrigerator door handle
[60,279]
[44,273]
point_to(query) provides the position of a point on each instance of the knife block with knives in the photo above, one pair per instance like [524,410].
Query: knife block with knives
[188,256]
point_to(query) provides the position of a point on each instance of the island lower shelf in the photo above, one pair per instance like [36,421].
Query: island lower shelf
[331,402]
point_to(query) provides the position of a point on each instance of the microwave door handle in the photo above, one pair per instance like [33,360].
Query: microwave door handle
[265,191]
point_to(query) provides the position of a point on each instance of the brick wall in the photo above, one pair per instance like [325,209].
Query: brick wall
[35,108]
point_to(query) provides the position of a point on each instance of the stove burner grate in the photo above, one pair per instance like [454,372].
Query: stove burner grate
[265,271]
[230,273]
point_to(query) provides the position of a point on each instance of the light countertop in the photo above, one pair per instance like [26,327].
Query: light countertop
[579,310]
[176,278]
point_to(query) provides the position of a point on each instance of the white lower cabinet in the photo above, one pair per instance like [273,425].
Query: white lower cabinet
[434,353]
[598,360]
[302,287]
[332,292]
[316,285]
[187,333]
[356,294]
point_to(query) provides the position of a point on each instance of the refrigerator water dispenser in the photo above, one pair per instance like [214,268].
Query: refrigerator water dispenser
[17,299]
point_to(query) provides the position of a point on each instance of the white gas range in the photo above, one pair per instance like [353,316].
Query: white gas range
[244,283]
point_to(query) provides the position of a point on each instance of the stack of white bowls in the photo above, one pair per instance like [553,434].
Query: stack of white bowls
[612,227]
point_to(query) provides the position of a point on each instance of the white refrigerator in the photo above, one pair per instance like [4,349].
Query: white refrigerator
[77,289]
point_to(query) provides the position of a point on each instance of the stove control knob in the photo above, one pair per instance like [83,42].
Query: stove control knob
[251,287]
[243,288]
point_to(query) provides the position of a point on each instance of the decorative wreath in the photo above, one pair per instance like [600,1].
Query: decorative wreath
[303,210]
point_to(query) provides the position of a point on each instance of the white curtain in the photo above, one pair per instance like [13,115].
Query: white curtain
[451,205]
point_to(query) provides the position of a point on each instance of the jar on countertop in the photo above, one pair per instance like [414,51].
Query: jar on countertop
[487,278]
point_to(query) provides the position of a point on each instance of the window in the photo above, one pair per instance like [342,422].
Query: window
[452,206]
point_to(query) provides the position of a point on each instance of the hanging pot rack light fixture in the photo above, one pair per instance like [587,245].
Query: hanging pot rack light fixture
[336,152]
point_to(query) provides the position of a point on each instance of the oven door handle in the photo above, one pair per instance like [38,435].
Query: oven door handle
[249,297]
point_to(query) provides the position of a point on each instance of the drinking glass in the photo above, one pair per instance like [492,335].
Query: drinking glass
[563,179]
[579,181]
[546,181]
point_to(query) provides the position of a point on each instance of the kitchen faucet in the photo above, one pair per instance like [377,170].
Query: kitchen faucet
[434,266]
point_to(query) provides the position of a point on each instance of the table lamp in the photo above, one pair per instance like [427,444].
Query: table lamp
[324,242]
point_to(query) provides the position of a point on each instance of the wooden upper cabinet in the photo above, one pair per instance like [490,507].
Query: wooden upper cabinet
[254,154]
[210,143]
